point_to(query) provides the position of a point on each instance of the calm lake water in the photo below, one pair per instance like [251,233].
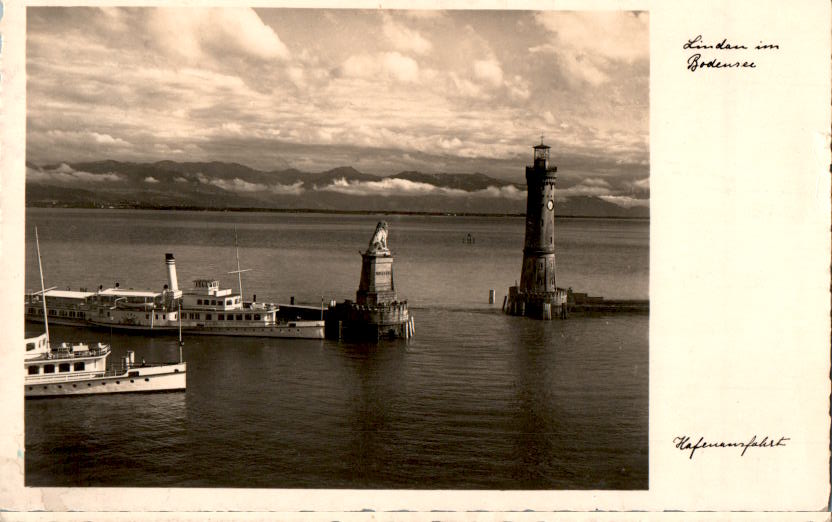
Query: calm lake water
[476,400]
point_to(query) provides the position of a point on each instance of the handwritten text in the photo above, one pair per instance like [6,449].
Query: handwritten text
[683,443]
[715,60]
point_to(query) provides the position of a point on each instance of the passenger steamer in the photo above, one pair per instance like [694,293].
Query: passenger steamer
[81,369]
[206,310]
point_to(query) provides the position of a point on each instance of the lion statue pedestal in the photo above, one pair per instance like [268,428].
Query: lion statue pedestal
[376,312]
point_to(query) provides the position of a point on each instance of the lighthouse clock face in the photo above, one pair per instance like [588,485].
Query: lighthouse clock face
[549,204]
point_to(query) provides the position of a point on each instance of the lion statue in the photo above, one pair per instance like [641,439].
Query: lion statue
[379,241]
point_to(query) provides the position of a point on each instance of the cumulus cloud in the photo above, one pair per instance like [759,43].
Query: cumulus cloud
[66,174]
[406,187]
[197,33]
[489,71]
[616,36]
[243,186]
[626,201]
[642,183]
[595,182]
[585,189]
[403,38]
[85,137]
[391,65]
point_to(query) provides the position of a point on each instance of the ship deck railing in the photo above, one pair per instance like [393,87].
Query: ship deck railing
[68,353]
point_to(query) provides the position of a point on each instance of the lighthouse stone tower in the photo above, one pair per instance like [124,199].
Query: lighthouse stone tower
[537,296]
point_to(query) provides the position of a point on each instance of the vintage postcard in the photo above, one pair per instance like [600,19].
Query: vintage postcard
[321,260]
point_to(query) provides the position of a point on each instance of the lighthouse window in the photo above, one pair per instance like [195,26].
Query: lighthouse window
[49,368]
[34,370]
[63,367]
[79,367]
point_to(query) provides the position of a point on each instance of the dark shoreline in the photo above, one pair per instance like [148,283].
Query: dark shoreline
[325,211]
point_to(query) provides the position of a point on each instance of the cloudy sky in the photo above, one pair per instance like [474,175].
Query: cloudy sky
[382,91]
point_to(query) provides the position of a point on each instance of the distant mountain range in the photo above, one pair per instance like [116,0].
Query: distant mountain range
[218,185]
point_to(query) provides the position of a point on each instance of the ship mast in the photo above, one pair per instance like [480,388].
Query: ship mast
[238,271]
[179,315]
[42,290]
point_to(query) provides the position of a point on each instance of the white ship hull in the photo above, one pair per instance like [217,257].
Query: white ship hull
[299,330]
[292,330]
[169,377]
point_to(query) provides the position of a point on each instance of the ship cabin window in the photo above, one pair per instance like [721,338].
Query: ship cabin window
[157,316]
[248,317]
[31,311]
[49,368]
[34,370]
[72,314]
[147,316]
[239,317]
[81,315]
[221,317]
[256,317]
[213,301]
[228,301]
[63,367]
[199,301]
[30,347]
[80,367]
[51,312]
[207,317]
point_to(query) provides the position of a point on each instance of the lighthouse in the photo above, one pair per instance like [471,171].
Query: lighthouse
[538,296]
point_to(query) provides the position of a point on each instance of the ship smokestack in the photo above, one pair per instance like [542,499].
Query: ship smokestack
[171,264]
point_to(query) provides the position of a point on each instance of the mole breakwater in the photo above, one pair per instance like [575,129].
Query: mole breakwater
[578,303]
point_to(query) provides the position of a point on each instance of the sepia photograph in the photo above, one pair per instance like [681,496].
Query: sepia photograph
[337,248]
